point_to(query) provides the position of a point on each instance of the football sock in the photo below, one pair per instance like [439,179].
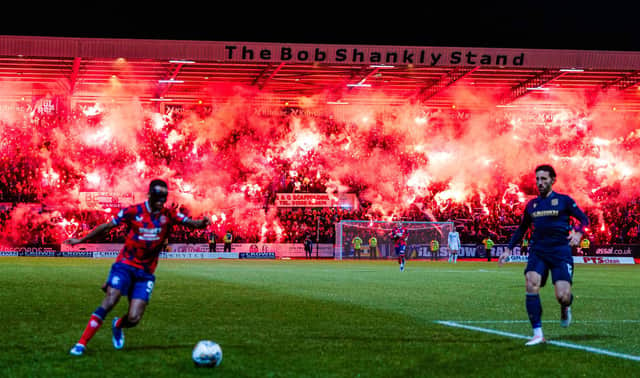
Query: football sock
[124,322]
[93,326]
[537,332]
[570,302]
[101,312]
[534,309]
[455,258]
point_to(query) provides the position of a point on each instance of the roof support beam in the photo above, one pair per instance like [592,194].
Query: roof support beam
[523,88]
[75,69]
[366,74]
[444,82]
[163,88]
[624,82]
[260,82]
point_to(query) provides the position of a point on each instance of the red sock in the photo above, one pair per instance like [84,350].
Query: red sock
[92,327]
[399,260]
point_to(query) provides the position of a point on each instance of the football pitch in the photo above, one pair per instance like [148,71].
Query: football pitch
[290,318]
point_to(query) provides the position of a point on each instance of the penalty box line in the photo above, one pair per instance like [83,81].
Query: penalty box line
[556,343]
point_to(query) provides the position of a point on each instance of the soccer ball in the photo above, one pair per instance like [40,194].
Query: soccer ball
[207,353]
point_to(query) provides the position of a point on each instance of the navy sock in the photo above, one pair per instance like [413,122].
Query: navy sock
[570,302]
[534,309]
[100,312]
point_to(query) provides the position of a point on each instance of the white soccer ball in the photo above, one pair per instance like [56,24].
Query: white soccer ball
[207,353]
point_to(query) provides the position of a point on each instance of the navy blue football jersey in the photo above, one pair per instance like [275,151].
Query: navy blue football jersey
[549,217]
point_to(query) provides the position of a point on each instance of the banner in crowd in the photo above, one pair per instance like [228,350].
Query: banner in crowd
[602,260]
[605,250]
[105,200]
[614,250]
[345,200]
[257,255]
[280,250]
[293,250]
[597,254]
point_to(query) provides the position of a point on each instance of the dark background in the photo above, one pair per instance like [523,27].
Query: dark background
[519,24]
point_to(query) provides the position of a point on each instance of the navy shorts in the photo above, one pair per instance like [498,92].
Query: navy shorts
[560,265]
[400,250]
[132,282]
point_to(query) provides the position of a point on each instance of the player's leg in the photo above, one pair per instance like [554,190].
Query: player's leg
[565,298]
[534,306]
[111,298]
[562,274]
[535,275]
[138,300]
[133,315]
[117,283]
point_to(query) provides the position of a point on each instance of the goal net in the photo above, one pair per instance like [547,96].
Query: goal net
[418,243]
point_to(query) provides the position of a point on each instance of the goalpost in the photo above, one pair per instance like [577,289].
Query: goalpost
[418,244]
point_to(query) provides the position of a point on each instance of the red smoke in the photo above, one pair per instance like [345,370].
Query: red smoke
[223,158]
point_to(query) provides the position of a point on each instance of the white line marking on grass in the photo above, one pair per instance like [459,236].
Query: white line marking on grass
[544,321]
[556,343]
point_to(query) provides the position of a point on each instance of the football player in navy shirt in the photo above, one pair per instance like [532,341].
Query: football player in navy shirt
[132,273]
[549,249]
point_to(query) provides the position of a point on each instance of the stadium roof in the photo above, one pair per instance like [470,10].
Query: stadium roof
[190,72]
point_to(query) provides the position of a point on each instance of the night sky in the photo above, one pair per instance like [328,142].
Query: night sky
[527,24]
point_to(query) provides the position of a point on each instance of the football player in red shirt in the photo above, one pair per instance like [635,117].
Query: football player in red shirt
[399,234]
[132,273]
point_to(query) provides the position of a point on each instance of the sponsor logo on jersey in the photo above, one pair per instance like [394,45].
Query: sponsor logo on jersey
[149,234]
[554,202]
[545,213]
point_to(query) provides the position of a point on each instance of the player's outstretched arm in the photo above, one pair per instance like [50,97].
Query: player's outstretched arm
[504,256]
[574,238]
[96,232]
[198,223]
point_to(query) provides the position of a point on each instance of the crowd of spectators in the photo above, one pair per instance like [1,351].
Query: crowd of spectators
[26,178]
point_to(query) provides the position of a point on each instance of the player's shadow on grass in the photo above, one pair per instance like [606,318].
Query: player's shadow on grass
[159,347]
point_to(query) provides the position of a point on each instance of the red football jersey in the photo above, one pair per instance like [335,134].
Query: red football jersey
[147,232]
[400,236]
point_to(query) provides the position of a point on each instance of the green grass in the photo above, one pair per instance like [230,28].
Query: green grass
[315,319]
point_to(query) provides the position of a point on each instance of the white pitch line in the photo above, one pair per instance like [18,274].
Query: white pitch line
[556,343]
[545,321]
